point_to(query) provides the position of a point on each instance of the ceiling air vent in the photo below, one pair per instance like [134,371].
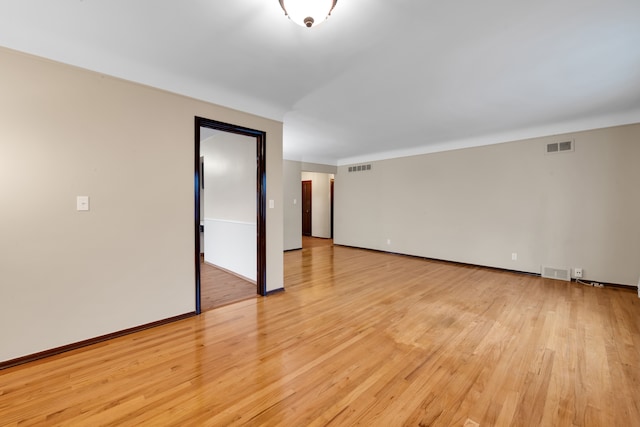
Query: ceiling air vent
[359,168]
[556,273]
[558,147]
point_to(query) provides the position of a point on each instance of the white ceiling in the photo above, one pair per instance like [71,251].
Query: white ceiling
[380,78]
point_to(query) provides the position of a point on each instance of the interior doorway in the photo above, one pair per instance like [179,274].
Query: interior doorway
[306,208]
[230,221]
[331,194]
[317,197]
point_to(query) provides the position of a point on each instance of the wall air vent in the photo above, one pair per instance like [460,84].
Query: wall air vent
[559,147]
[556,273]
[359,168]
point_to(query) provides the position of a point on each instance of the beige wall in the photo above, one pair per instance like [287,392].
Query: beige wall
[480,205]
[319,168]
[67,276]
[292,207]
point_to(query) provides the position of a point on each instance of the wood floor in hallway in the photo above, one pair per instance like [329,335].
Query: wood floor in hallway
[220,287]
[314,242]
[359,338]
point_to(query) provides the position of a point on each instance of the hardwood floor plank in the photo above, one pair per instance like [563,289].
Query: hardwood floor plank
[359,338]
[220,287]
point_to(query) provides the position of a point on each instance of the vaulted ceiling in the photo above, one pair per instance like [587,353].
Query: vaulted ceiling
[380,78]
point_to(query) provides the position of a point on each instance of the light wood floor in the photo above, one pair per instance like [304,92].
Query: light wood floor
[314,242]
[359,338]
[219,287]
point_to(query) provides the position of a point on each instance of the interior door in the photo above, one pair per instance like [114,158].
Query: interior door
[306,208]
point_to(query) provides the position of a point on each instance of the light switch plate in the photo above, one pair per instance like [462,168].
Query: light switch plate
[82,203]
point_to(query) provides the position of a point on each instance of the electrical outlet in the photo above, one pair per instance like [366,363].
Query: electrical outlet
[514,256]
[577,273]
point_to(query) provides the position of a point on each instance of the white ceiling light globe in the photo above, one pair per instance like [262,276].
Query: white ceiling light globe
[308,13]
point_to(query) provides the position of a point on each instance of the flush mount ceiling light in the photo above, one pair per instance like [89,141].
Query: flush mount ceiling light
[308,13]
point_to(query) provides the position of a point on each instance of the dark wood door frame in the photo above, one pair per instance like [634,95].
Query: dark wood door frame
[307,210]
[261,198]
[331,189]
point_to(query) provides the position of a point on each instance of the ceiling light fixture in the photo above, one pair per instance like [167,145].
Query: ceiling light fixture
[308,13]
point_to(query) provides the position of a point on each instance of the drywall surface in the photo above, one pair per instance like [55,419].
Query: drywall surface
[68,275]
[482,205]
[232,245]
[229,177]
[319,168]
[292,205]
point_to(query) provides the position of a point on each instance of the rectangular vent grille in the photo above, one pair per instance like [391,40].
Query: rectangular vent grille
[558,147]
[359,168]
[556,273]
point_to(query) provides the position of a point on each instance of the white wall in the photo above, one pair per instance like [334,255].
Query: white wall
[230,177]
[320,203]
[67,276]
[232,245]
[230,183]
[480,205]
